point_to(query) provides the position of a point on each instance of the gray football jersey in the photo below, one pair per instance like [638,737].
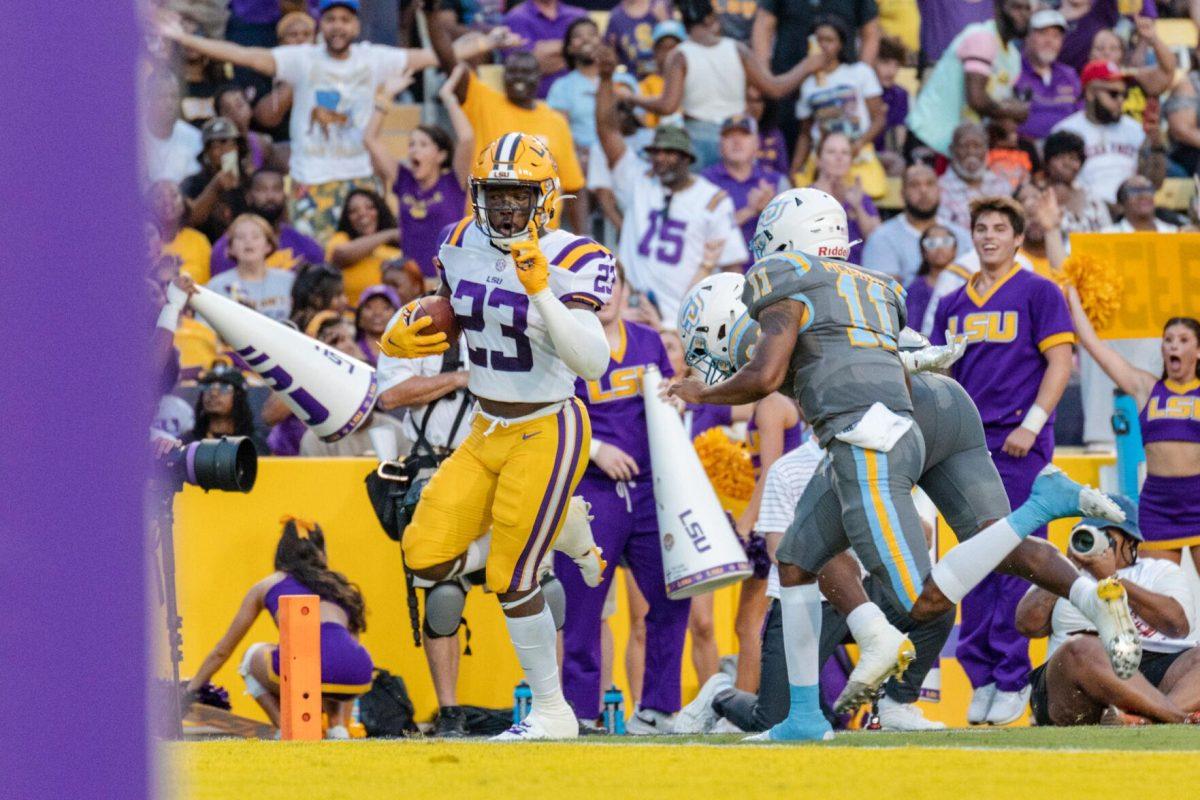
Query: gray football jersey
[845,357]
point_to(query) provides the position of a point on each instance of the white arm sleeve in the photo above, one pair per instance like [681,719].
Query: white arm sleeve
[577,334]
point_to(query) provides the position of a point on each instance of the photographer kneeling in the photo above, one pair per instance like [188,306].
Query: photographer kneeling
[1076,685]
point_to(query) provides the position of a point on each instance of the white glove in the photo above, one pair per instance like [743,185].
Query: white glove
[940,356]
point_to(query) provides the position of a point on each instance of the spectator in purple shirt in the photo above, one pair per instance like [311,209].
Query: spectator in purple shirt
[772,149]
[630,33]
[1051,87]
[889,145]
[939,247]
[1086,18]
[748,182]
[942,20]
[265,196]
[543,25]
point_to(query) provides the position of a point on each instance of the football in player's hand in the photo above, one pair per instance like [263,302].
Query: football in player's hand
[439,309]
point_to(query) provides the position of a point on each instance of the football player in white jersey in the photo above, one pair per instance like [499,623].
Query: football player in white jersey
[526,299]
[677,227]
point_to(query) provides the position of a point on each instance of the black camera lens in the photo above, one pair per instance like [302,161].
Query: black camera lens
[229,464]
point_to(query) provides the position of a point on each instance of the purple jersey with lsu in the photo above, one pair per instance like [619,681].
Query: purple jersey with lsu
[1172,412]
[614,401]
[1008,329]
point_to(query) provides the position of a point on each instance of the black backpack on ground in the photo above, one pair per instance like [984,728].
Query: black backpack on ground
[386,709]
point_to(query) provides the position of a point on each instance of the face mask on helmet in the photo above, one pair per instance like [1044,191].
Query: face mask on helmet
[715,327]
[503,209]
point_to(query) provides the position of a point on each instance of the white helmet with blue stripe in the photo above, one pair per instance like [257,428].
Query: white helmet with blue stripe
[718,334]
[807,220]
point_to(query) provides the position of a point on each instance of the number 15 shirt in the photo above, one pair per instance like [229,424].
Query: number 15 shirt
[662,243]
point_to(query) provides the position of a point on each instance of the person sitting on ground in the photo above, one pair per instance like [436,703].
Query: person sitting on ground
[376,305]
[252,283]
[367,235]
[1084,211]
[430,183]
[1077,685]
[301,568]
[1136,200]
[190,246]
[265,196]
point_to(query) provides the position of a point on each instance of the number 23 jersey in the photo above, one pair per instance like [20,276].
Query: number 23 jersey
[845,356]
[512,358]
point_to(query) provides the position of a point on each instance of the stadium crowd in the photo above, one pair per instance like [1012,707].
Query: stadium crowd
[306,158]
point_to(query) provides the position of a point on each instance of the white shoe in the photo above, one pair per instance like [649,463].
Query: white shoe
[981,703]
[337,732]
[648,722]
[1108,609]
[1008,707]
[698,716]
[575,540]
[725,726]
[894,716]
[886,652]
[538,725]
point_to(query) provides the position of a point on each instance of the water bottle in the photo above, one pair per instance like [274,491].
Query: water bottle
[522,702]
[614,711]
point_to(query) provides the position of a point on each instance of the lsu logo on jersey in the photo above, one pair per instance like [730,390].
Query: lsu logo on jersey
[1173,408]
[994,327]
[621,383]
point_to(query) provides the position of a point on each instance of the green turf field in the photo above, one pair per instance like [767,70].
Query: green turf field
[1024,763]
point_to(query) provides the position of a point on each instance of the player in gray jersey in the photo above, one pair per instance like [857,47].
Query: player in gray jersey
[831,328]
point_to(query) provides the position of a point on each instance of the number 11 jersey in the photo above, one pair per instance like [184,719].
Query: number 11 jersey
[845,358]
[512,358]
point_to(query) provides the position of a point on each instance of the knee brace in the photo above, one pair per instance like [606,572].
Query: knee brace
[253,687]
[444,604]
[556,599]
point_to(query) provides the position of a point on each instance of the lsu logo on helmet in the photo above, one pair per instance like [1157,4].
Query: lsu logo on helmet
[515,160]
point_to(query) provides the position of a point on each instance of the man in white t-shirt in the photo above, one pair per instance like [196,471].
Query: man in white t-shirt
[1111,140]
[785,483]
[334,85]
[1076,685]
[678,228]
[170,146]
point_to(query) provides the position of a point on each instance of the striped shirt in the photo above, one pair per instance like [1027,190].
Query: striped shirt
[786,480]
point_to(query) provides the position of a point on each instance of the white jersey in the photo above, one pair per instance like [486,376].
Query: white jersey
[512,358]
[661,246]
[1152,574]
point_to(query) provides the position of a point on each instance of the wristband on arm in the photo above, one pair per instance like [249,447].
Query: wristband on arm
[1035,419]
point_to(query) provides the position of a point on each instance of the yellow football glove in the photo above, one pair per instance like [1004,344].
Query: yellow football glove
[533,270]
[404,339]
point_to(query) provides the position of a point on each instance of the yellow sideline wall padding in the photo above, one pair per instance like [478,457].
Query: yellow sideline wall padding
[1161,272]
[225,542]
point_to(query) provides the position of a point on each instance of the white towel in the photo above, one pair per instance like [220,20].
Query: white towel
[879,429]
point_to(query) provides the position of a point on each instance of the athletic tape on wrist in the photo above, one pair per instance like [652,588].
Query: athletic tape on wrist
[1035,419]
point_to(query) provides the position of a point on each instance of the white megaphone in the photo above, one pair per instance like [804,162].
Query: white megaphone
[327,390]
[700,551]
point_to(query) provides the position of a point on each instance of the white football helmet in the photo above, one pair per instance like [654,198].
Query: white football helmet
[718,334]
[807,220]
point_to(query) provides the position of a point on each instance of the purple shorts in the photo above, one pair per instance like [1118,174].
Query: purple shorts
[346,666]
[1169,512]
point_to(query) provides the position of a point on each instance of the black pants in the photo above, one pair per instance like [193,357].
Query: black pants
[757,712]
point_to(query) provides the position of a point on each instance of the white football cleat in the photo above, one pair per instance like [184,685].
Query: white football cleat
[894,716]
[575,540]
[1008,707]
[698,716]
[538,726]
[981,703]
[648,722]
[1108,610]
[886,653]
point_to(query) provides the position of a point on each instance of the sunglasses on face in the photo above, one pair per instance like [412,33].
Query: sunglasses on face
[934,242]
[1115,94]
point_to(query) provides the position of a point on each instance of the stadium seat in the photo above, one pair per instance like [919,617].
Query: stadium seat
[1175,194]
[400,121]
[600,18]
[908,80]
[891,200]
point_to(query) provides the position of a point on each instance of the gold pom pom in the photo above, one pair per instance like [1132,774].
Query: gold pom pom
[727,464]
[1100,287]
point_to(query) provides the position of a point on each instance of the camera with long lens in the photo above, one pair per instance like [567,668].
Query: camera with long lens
[1089,541]
[227,464]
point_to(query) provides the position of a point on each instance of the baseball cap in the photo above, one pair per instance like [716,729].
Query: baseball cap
[672,137]
[669,27]
[1047,18]
[219,128]
[739,122]
[325,5]
[1129,527]
[1100,71]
